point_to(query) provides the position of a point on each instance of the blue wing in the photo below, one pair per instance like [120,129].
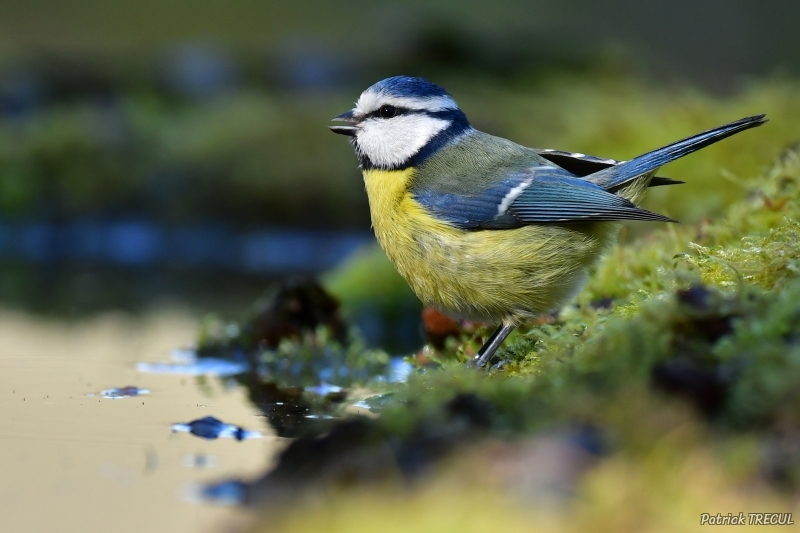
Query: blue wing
[553,198]
[538,195]
[484,182]
[470,209]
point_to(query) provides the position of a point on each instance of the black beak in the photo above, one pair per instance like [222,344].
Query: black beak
[344,130]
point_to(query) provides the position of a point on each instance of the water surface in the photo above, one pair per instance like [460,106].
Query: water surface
[75,462]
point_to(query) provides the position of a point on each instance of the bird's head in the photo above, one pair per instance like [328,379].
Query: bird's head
[400,121]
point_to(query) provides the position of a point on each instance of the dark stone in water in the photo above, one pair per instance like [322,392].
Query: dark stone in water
[297,306]
[213,428]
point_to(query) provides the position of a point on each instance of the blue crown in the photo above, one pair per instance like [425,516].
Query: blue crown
[409,86]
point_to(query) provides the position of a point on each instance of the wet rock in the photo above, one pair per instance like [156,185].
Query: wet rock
[294,307]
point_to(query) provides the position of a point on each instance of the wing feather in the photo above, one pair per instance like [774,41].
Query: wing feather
[538,195]
[561,199]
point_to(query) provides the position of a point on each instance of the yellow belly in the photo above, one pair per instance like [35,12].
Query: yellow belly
[489,275]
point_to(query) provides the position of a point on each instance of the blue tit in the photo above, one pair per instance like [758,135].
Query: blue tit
[483,228]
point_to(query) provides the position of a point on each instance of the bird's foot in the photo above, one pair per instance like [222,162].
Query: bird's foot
[487,351]
[499,365]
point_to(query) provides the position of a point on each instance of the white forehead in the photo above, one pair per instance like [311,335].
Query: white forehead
[372,99]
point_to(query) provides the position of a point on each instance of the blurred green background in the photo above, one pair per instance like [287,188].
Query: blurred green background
[176,153]
[179,150]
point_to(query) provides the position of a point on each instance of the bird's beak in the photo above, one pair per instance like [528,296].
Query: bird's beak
[345,130]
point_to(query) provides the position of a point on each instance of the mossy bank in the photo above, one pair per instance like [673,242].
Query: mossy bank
[669,389]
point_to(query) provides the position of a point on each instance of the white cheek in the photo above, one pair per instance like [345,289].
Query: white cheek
[391,142]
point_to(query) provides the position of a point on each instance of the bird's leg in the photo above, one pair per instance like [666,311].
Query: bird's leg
[491,345]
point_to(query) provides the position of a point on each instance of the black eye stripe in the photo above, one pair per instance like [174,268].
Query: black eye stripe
[383,112]
[446,113]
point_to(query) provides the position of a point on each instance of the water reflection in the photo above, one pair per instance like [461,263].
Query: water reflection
[73,463]
[81,266]
[231,493]
[123,392]
[295,356]
[200,460]
[303,361]
[193,366]
[213,428]
[143,243]
[290,370]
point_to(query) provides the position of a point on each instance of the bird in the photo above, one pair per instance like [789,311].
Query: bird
[485,229]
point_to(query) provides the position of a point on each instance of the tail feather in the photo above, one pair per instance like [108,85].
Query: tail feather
[618,175]
[659,182]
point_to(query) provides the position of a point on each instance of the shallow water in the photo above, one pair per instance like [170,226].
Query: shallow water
[73,462]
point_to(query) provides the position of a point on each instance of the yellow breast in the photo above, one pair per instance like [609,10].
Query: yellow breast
[487,275]
[399,221]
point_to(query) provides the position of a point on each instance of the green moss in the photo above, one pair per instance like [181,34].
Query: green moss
[689,375]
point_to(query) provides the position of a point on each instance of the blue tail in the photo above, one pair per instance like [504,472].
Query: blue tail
[617,175]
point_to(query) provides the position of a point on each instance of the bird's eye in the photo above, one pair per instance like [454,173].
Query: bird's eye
[387,111]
